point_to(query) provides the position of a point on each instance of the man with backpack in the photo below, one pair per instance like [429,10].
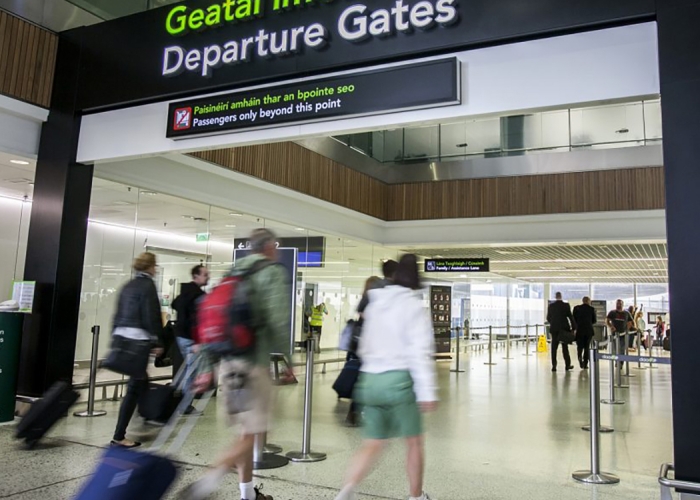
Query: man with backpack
[259,312]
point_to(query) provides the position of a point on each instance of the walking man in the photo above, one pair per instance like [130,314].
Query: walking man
[561,321]
[584,317]
[185,305]
[247,383]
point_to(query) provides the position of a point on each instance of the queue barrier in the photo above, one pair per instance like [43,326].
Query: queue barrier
[633,359]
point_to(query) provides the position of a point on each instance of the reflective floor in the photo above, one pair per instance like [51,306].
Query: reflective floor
[506,431]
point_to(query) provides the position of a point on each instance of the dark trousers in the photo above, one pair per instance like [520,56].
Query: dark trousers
[583,347]
[134,389]
[555,348]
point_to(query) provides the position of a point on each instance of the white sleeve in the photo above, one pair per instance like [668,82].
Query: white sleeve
[421,349]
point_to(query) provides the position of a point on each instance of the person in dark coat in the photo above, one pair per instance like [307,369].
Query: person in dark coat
[137,319]
[186,307]
[584,316]
[560,320]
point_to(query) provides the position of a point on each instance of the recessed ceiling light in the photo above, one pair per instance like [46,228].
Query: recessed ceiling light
[230,225]
[19,162]
[235,214]
[149,193]
[462,275]
[300,229]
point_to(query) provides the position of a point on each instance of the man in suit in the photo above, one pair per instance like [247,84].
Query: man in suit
[584,317]
[560,320]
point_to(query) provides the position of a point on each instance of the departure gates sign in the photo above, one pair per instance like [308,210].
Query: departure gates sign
[422,85]
[355,23]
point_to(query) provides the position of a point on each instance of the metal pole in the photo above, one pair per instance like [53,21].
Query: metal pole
[639,352]
[456,368]
[627,365]
[527,341]
[594,475]
[306,455]
[596,368]
[93,378]
[612,400]
[263,460]
[490,347]
[620,385]
[508,341]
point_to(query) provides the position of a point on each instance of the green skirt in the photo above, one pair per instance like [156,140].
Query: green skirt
[389,405]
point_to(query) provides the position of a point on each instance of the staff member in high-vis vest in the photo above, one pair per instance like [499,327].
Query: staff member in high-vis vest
[316,323]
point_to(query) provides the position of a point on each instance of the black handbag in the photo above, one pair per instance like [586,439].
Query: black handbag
[567,337]
[128,357]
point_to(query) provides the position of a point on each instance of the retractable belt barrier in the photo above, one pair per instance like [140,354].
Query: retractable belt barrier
[634,359]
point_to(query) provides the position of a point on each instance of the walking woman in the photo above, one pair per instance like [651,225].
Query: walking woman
[138,322]
[397,380]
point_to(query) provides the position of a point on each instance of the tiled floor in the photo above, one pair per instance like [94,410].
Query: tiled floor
[507,431]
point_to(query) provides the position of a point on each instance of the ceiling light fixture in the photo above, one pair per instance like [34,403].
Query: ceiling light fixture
[149,193]
[235,214]
[300,229]
[19,162]
[230,225]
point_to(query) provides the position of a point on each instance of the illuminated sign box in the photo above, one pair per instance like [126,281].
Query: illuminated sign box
[456,265]
[399,88]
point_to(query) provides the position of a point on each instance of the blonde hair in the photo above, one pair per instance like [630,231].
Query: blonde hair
[144,262]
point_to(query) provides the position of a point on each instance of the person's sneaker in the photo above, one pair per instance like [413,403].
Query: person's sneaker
[424,496]
[260,496]
[554,369]
[193,492]
[569,368]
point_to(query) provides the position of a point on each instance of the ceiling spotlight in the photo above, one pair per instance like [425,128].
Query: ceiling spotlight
[19,162]
[235,214]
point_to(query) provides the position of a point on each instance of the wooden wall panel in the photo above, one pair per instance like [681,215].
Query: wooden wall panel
[27,60]
[294,167]
[598,191]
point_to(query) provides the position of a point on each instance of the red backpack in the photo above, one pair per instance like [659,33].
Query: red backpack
[225,322]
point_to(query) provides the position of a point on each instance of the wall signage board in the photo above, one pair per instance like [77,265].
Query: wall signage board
[412,86]
[441,312]
[201,46]
[461,265]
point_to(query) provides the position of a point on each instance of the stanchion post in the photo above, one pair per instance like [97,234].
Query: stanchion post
[93,378]
[306,455]
[263,460]
[627,352]
[457,369]
[594,475]
[618,365]
[491,363]
[527,341]
[508,342]
[612,400]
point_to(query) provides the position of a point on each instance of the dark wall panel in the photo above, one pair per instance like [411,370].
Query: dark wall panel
[679,58]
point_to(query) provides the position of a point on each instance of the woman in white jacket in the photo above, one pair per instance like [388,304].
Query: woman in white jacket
[397,380]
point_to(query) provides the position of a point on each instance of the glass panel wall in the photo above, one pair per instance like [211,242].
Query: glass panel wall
[609,126]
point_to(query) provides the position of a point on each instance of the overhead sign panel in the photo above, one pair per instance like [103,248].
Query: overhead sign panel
[201,46]
[465,265]
[412,86]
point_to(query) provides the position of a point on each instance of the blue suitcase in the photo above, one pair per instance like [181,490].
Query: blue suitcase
[345,383]
[128,474]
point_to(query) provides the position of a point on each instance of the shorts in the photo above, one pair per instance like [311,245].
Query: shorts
[248,403]
[389,405]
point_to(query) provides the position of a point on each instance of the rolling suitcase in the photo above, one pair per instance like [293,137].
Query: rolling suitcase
[128,474]
[46,412]
[159,402]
